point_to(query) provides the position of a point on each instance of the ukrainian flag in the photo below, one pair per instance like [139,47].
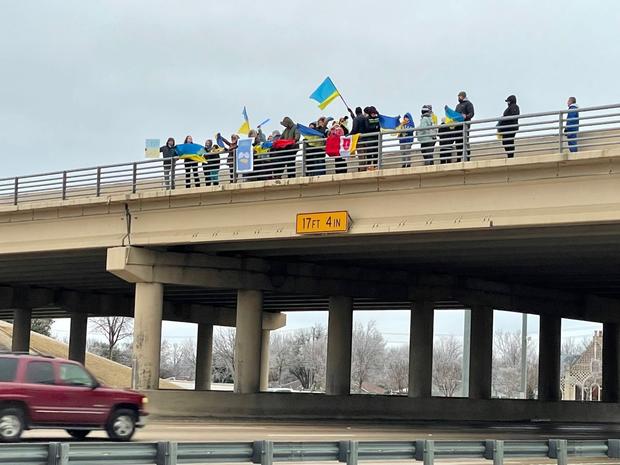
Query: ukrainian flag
[245,127]
[453,116]
[325,93]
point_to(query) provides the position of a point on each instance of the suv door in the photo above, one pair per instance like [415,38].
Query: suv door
[40,386]
[82,401]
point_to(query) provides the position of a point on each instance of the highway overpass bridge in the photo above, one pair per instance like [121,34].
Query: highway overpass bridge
[538,233]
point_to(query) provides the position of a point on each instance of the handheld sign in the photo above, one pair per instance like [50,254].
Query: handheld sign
[151,148]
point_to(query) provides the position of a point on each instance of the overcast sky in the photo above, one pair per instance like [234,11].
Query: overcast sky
[85,82]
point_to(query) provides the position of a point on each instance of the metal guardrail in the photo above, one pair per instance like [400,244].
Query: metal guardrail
[533,134]
[268,452]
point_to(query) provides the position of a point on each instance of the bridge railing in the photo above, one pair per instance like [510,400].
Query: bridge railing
[534,134]
[268,452]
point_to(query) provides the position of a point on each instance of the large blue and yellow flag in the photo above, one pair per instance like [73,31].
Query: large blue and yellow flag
[389,122]
[306,131]
[453,116]
[325,93]
[192,151]
[245,127]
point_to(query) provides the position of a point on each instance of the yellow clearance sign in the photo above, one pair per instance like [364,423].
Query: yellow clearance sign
[323,222]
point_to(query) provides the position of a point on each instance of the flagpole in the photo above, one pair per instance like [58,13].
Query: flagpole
[341,97]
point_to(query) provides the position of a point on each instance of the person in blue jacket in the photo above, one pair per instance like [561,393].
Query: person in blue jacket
[405,139]
[572,124]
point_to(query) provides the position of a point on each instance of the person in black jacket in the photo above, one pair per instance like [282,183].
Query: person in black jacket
[508,126]
[465,108]
[168,152]
[372,139]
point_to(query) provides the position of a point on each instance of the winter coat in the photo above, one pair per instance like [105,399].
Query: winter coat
[168,152]
[465,108]
[407,136]
[426,135]
[360,125]
[509,123]
[572,119]
[290,130]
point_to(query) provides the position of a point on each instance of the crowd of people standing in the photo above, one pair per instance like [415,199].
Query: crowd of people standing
[274,156]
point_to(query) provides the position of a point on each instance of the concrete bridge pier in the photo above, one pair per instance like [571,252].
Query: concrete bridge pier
[611,362]
[264,360]
[22,322]
[77,337]
[339,339]
[481,352]
[421,349]
[148,312]
[248,341]
[549,358]
[204,357]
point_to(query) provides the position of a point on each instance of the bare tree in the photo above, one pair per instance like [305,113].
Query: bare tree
[114,329]
[397,368]
[279,355]
[42,326]
[224,355]
[367,354]
[308,357]
[447,365]
[178,360]
[507,365]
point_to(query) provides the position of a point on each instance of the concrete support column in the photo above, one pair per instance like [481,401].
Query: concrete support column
[549,358]
[77,337]
[147,334]
[264,360]
[204,357]
[248,341]
[421,349]
[611,362]
[481,353]
[22,321]
[339,337]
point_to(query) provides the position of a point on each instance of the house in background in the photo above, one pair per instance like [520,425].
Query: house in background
[583,374]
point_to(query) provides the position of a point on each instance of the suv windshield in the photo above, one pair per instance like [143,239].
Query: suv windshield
[8,369]
[75,375]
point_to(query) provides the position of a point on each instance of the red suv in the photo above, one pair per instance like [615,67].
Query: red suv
[47,392]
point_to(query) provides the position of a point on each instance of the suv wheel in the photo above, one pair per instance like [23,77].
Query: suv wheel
[11,424]
[78,433]
[121,425]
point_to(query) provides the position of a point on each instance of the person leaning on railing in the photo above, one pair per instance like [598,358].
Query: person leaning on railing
[168,152]
[508,125]
[371,139]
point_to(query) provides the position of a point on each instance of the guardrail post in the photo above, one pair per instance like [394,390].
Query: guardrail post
[234,166]
[263,452]
[167,453]
[425,451]
[64,185]
[58,453]
[303,158]
[613,448]
[348,452]
[173,172]
[558,449]
[98,188]
[16,191]
[380,152]
[134,177]
[494,450]
[561,130]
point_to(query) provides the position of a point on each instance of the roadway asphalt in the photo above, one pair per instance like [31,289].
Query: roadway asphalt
[238,430]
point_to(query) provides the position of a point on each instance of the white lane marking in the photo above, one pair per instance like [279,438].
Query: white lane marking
[326,435]
[199,427]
